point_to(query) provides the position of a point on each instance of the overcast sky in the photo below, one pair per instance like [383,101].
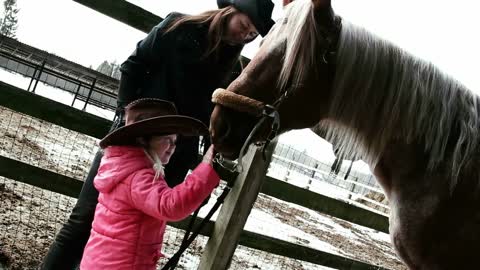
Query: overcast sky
[444,32]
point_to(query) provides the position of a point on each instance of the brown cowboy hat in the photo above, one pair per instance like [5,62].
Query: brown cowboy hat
[151,116]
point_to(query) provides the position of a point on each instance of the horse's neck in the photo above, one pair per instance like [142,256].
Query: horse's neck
[381,93]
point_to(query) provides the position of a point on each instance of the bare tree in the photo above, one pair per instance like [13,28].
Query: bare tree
[9,21]
[111,69]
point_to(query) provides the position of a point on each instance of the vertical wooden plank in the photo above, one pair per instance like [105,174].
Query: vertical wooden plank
[234,212]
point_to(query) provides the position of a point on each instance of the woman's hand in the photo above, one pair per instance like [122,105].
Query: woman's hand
[208,157]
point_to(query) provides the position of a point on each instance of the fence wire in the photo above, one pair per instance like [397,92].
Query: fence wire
[335,179]
[45,145]
[31,217]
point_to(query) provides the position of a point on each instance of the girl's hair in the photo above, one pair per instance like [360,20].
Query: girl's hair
[157,163]
[217,20]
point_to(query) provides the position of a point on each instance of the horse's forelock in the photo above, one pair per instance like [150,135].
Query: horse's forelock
[299,31]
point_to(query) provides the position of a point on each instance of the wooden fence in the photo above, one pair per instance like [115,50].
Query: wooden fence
[228,231]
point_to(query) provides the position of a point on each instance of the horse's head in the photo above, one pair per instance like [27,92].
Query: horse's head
[293,71]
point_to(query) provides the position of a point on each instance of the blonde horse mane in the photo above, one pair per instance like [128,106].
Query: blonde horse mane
[382,93]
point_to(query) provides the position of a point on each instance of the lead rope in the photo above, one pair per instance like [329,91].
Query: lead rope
[172,263]
[255,108]
[188,238]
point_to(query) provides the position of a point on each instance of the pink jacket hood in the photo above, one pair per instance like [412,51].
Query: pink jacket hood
[119,162]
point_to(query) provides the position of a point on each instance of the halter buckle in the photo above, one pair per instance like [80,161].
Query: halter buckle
[271,112]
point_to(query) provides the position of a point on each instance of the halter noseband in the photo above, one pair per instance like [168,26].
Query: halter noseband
[254,108]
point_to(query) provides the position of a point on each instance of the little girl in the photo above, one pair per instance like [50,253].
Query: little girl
[135,202]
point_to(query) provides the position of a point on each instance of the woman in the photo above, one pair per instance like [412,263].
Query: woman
[182,60]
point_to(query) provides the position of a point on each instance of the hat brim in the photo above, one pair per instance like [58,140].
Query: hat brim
[182,125]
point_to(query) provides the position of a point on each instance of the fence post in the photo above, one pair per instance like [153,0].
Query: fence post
[287,175]
[235,210]
[39,75]
[312,176]
[76,93]
[348,170]
[352,190]
[92,87]
[33,78]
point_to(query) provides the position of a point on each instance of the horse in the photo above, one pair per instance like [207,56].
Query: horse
[416,126]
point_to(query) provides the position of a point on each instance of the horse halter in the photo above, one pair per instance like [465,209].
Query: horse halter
[265,112]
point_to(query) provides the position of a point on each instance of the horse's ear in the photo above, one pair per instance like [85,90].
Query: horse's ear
[321,4]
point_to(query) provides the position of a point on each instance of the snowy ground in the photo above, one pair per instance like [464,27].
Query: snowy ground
[30,217]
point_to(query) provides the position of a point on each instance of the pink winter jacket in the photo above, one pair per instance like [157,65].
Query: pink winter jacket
[133,209]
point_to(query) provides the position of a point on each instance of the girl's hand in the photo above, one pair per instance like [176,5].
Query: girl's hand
[208,157]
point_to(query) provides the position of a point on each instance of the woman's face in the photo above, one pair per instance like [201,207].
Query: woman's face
[240,29]
[163,146]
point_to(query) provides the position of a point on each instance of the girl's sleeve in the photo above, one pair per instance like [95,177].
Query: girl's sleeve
[156,199]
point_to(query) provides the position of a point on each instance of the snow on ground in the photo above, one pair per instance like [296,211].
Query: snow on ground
[300,225]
